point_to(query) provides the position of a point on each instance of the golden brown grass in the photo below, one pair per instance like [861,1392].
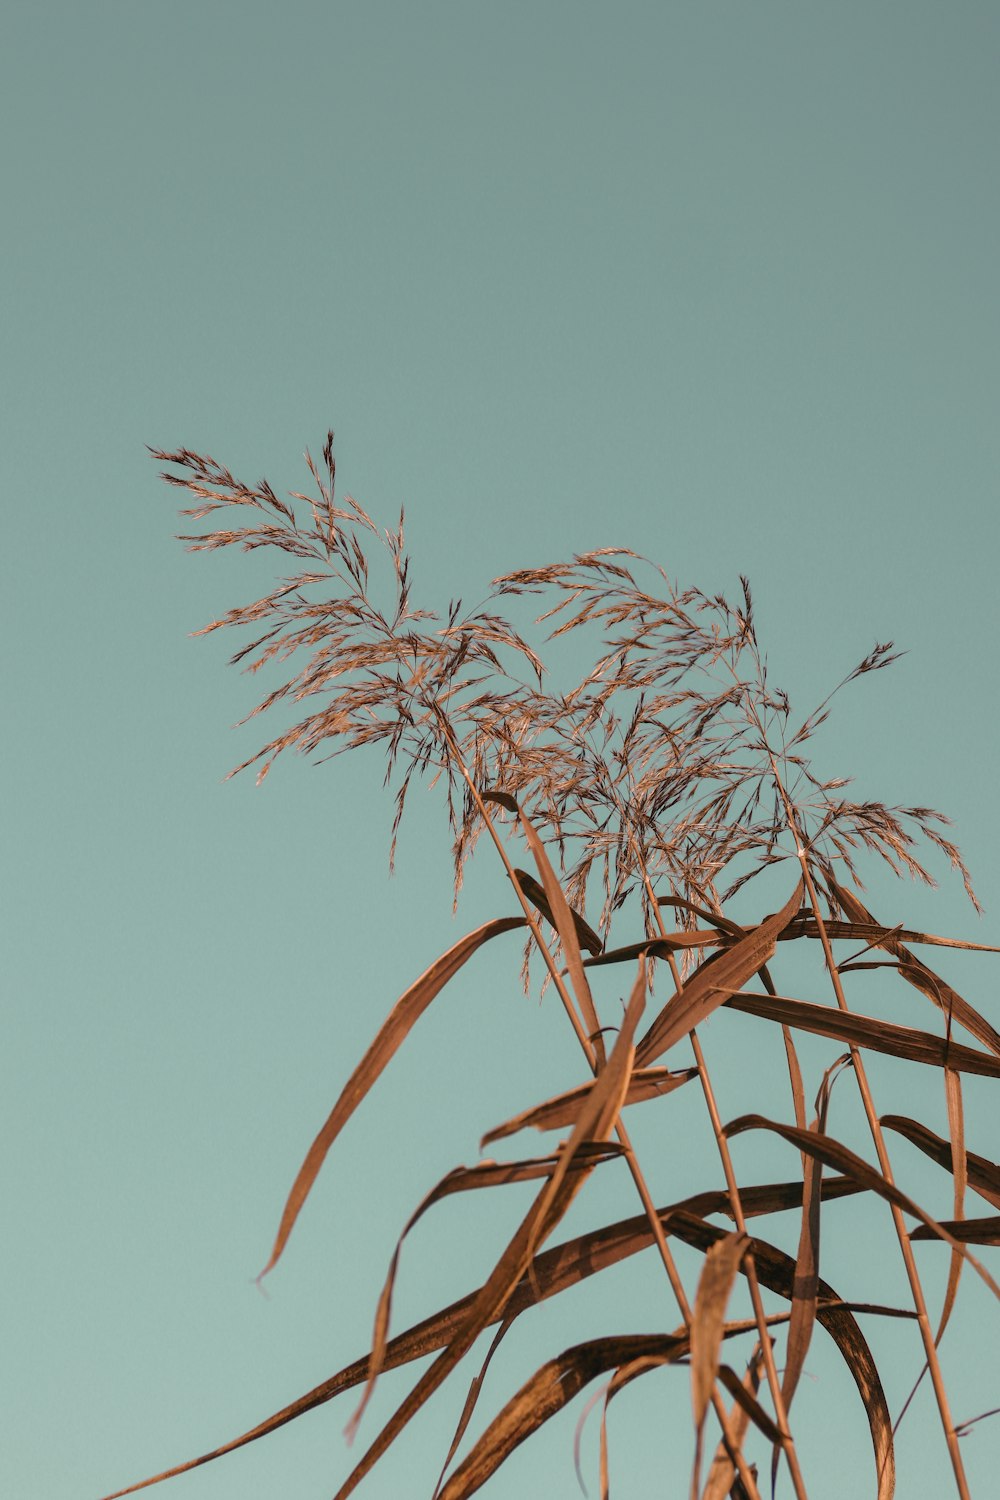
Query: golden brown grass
[675,775]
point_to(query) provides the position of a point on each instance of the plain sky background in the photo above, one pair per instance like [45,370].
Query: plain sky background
[717,282]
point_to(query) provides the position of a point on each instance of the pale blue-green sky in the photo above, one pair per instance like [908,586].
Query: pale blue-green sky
[717,282]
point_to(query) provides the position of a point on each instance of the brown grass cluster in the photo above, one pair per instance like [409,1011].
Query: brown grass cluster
[675,773]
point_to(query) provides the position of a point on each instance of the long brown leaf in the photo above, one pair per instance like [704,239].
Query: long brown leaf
[586,936]
[554,1385]
[713,983]
[983,1175]
[839,1156]
[745,1405]
[806,1286]
[960,1178]
[806,926]
[623,1376]
[547,1392]
[655,947]
[718,921]
[968,1231]
[551,1272]
[715,1284]
[948,1000]
[471,1399]
[460,1180]
[921,977]
[865,1031]
[873,933]
[805,1289]
[595,1121]
[723,1471]
[567,930]
[562,1110]
[776,1271]
[393,1032]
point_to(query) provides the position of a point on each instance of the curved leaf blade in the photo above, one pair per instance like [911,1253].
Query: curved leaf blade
[937,990]
[722,1471]
[566,927]
[712,984]
[839,1156]
[586,936]
[866,1031]
[968,1231]
[874,933]
[393,1032]
[715,1285]
[595,1122]
[561,1111]
[459,1180]
[776,1271]
[960,1179]
[983,1175]
[547,1392]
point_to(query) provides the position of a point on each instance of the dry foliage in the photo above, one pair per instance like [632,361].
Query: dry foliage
[675,774]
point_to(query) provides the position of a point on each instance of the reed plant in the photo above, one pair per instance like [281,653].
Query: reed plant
[671,777]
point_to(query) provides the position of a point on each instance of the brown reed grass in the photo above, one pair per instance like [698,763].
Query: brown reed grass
[673,773]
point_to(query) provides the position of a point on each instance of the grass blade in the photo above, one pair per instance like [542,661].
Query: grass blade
[547,1392]
[805,1291]
[586,936]
[960,1178]
[565,925]
[596,1120]
[982,1175]
[656,947]
[837,1155]
[551,1272]
[561,1111]
[865,1031]
[875,935]
[471,1401]
[722,1472]
[715,1284]
[558,1382]
[938,990]
[460,1180]
[776,1271]
[967,1231]
[393,1032]
[713,983]
[747,1404]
